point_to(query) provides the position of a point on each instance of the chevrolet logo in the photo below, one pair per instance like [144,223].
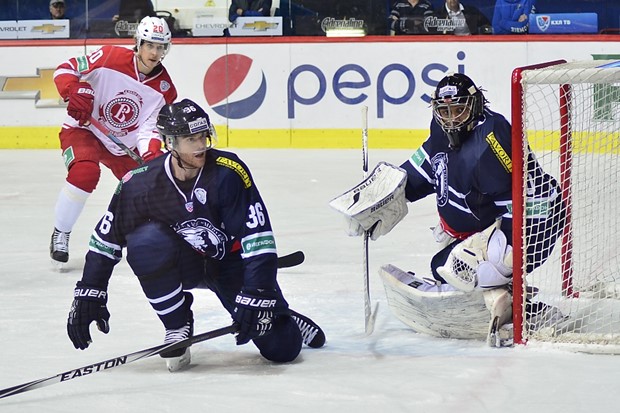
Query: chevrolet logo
[40,88]
[259,26]
[48,28]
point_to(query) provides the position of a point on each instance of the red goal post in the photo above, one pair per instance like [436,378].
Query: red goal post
[566,114]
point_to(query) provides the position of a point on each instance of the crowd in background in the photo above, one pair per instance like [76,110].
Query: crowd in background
[303,17]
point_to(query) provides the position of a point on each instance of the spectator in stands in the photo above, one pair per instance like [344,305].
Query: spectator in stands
[457,18]
[57,9]
[134,11]
[512,16]
[409,16]
[249,8]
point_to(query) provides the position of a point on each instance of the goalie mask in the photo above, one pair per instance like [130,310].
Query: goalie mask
[458,106]
[184,118]
[154,30]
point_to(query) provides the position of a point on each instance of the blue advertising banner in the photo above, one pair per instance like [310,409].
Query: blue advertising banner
[563,23]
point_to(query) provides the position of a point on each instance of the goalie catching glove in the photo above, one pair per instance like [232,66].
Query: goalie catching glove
[483,260]
[377,204]
[89,304]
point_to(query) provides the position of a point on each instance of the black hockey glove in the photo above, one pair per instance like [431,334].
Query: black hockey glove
[255,312]
[89,304]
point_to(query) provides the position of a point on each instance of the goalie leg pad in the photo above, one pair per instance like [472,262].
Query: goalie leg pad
[500,253]
[489,276]
[439,313]
[483,260]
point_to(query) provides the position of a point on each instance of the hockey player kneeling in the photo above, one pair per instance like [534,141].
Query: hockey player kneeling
[466,164]
[192,218]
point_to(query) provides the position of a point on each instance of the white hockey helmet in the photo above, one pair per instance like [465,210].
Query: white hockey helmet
[154,30]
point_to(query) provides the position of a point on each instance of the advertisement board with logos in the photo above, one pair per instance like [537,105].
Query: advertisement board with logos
[34,29]
[302,94]
[242,26]
[563,23]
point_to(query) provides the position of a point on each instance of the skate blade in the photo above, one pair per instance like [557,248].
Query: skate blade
[59,266]
[178,363]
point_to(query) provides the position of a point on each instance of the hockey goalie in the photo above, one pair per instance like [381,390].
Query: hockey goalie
[466,164]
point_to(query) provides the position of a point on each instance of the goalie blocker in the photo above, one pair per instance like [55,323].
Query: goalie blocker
[377,204]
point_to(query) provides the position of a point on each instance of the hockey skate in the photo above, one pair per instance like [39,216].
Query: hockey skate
[179,358]
[59,248]
[311,333]
[499,303]
[541,315]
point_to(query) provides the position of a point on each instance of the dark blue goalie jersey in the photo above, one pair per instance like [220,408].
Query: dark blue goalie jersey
[220,214]
[473,184]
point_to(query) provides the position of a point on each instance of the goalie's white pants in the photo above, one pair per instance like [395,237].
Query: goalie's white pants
[443,311]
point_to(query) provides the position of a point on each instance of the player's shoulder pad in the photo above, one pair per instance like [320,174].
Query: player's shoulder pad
[130,175]
[231,161]
[499,144]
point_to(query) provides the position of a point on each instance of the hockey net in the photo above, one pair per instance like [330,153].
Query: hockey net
[568,116]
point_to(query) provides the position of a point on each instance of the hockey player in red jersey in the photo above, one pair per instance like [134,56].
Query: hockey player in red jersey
[123,90]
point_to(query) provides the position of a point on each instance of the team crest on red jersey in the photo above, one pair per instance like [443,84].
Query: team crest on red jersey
[122,112]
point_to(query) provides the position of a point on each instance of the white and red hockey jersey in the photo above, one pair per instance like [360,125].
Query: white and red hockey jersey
[126,101]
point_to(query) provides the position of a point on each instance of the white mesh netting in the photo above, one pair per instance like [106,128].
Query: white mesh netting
[571,122]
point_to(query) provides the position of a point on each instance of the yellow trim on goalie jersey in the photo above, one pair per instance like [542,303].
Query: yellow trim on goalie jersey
[500,153]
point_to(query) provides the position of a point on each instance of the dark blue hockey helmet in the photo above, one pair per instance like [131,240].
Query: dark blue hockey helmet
[458,106]
[184,118]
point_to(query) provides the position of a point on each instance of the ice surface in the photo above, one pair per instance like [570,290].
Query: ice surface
[393,370]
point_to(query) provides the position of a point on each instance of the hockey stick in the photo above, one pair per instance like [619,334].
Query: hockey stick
[291,260]
[116,141]
[369,317]
[116,361]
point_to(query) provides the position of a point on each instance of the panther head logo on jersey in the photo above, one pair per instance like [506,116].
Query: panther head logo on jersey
[203,236]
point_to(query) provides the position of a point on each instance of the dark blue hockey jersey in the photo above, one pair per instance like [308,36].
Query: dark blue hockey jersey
[473,184]
[220,214]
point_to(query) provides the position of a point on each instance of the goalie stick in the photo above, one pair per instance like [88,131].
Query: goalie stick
[116,141]
[369,315]
[116,361]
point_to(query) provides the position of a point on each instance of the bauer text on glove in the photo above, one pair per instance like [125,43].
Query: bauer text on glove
[255,312]
[81,100]
[377,204]
[89,304]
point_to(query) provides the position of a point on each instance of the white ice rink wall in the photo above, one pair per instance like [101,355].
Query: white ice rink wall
[295,92]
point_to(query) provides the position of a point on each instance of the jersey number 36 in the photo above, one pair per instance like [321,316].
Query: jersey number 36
[256,216]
